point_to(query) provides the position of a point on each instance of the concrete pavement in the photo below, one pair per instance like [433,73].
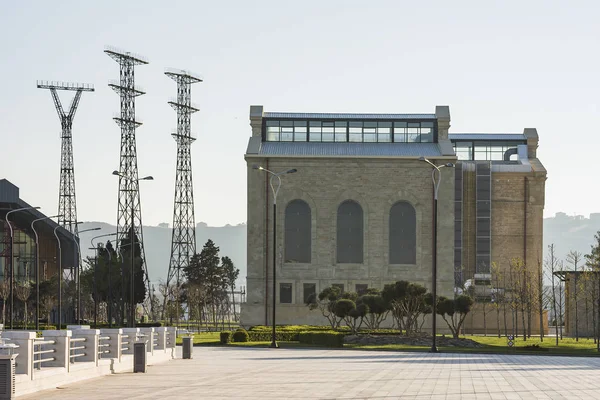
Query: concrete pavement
[250,373]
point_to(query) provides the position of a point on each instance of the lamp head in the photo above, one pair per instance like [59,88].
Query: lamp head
[147,178]
[291,171]
[117,173]
[256,167]
[423,159]
[450,165]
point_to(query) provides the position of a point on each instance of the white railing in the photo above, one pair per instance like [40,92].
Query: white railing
[125,344]
[75,347]
[39,351]
[103,347]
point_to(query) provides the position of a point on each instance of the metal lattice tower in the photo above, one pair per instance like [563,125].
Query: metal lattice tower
[67,207]
[129,193]
[183,242]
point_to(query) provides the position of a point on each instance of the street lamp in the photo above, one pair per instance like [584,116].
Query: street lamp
[95,248]
[37,270]
[275,192]
[12,245]
[146,178]
[436,187]
[78,272]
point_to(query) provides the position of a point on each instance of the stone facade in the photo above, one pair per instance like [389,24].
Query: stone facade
[376,183]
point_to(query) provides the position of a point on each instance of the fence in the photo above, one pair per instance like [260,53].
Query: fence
[66,356]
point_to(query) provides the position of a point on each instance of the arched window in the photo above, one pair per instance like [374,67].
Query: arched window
[403,234]
[349,233]
[297,232]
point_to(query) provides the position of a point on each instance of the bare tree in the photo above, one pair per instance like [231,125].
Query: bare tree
[497,293]
[551,265]
[540,302]
[23,291]
[574,258]
[4,294]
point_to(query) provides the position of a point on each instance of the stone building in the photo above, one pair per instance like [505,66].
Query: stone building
[358,211]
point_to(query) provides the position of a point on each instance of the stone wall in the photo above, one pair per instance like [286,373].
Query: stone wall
[376,184]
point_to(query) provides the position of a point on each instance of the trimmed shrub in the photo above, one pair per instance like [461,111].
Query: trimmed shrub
[225,337]
[240,336]
[294,328]
[266,336]
[326,338]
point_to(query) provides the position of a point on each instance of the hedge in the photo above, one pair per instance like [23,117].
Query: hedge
[294,328]
[280,336]
[325,338]
[225,337]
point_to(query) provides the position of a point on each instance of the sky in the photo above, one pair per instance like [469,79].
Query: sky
[500,66]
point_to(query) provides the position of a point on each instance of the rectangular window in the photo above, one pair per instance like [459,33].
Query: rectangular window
[287,131]
[310,289]
[285,293]
[272,131]
[361,288]
[314,131]
[340,131]
[327,132]
[399,132]
[300,131]
[384,132]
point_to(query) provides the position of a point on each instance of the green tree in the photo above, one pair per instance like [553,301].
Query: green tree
[377,309]
[231,275]
[325,302]
[454,311]
[205,270]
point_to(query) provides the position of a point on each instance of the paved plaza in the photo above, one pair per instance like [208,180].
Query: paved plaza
[235,373]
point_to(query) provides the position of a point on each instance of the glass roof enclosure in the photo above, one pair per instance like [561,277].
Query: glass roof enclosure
[486,150]
[350,130]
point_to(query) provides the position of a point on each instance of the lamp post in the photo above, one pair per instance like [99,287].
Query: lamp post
[37,270]
[275,190]
[60,278]
[12,245]
[95,248]
[78,271]
[436,187]
[132,252]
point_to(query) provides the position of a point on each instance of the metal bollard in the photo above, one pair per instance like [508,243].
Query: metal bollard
[140,361]
[188,345]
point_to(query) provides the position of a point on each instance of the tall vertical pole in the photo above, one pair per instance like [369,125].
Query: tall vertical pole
[110,297]
[132,280]
[12,274]
[59,279]
[434,348]
[95,288]
[274,334]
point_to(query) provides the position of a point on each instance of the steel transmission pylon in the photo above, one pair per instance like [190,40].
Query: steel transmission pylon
[183,242]
[129,211]
[67,205]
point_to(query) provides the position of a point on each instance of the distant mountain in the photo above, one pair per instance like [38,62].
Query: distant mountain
[566,232]
[157,242]
[570,233]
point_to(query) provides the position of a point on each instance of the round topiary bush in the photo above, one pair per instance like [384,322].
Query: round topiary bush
[240,336]
[225,337]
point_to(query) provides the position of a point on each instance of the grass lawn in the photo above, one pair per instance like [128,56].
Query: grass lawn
[492,344]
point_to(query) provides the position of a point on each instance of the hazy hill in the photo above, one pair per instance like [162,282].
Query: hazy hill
[157,242]
[566,232]
[570,233]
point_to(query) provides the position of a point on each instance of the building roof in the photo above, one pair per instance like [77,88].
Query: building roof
[320,149]
[9,194]
[487,136]
[292,115]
